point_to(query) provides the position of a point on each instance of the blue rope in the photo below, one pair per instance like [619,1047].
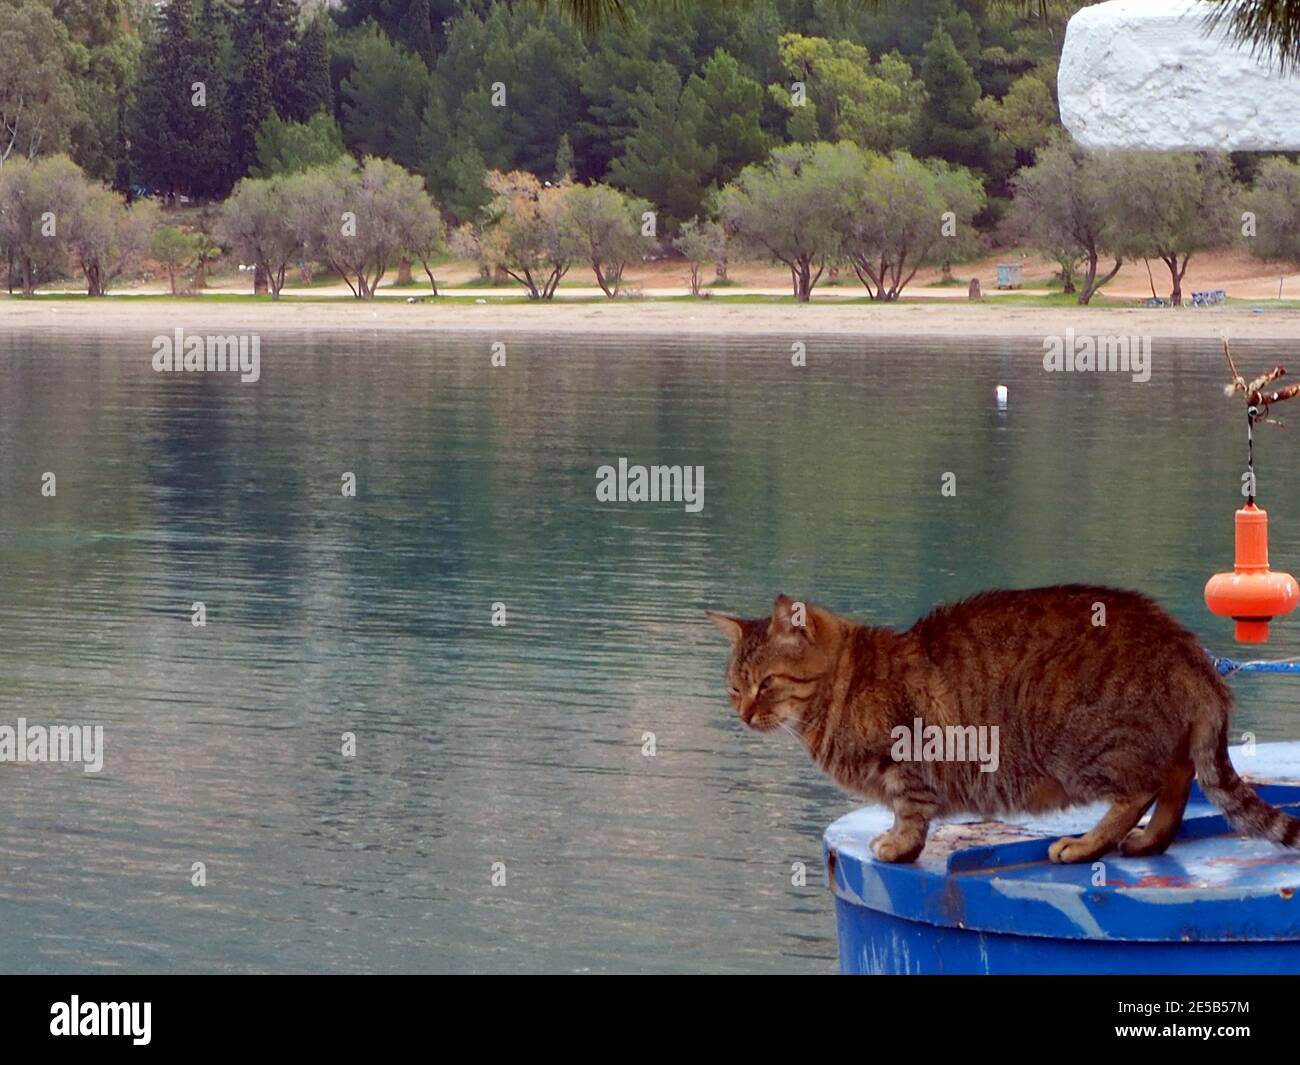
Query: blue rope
[1228,666]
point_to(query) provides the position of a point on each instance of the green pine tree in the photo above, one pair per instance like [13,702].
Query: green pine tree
[275,21]
[209,171]
[382,98]
[665,159]
[564,159]
[415,30]
[732,107]
[252,105]
[162,123]
[312,63]
[950,127]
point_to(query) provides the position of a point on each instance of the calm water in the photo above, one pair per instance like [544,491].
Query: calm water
[520,744]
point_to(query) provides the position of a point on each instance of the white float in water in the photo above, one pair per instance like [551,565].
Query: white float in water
[1001,393]
[1147,74]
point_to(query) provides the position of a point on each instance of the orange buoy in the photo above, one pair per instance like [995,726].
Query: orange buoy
[1252,595]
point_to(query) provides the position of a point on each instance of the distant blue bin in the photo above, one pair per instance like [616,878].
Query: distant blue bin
[983,898]
[1011,275]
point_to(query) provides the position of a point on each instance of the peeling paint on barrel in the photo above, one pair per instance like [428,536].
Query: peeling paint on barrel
[984,898]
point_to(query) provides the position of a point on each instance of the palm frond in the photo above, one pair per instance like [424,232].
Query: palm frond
[1270,27]
[588,15]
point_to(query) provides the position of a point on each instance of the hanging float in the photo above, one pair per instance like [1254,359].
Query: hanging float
[1252,594]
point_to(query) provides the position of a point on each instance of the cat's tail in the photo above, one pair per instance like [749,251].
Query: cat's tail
[1246,811]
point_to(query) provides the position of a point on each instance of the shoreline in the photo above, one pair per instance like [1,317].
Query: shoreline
[940,319]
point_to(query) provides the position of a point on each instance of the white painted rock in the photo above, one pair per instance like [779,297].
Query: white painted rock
[1147,74]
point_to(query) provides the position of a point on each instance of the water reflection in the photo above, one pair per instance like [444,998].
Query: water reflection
[521,744]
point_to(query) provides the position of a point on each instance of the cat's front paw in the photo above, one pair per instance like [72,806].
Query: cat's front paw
[891,848]
[1069,850]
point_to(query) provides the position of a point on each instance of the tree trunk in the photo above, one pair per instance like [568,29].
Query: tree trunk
[1067,276]
[553,282]
[1092,285]
[1177,273]
[433,281]
[863,269]
[720,268]
[803,281]
[404,271]
[261,284]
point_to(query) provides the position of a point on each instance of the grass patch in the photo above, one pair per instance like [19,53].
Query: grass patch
[516,295]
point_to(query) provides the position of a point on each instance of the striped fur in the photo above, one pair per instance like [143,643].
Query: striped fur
[1126,712]
[1246,811]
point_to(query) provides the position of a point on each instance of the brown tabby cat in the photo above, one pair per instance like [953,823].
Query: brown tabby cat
[1128,712]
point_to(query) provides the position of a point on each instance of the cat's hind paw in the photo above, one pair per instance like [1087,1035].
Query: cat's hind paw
[1142,842]
[888,847]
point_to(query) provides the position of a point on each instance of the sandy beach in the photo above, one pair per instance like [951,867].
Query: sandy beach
[715,317]
[580,309]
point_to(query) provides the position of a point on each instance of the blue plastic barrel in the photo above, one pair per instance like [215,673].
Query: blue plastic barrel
[984,898]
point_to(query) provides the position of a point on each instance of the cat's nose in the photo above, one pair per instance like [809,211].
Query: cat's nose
[747,710]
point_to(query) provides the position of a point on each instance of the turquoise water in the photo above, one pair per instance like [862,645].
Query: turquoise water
[522,744]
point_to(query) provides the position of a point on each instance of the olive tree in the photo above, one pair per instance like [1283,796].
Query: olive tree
[607,226]
[528,231]
[1066,200]
[426,236]
[1171,205]
[909,213]
[796,207]
[256,223]
[36,204]
[175,249]
[107,236]
[1272,225]
[700,243]
[360,219]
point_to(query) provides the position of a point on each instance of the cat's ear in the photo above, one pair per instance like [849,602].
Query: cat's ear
[789,618]
[732,627]
[793,617]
